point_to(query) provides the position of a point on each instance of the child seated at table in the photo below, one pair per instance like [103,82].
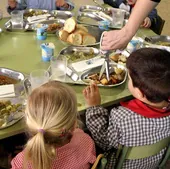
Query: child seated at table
[55,141]
[142,121]
[152,21]
[36,4]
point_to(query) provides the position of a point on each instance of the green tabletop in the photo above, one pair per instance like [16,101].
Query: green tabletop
[21,51]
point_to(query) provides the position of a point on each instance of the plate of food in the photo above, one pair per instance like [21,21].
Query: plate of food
[78,34]
[119,57]
[11,111]
[75,53]
[34,12]
[118,75]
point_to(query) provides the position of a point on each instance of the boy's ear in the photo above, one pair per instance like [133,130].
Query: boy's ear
[140,95]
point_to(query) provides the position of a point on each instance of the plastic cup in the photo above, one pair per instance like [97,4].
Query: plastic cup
[104,25]
[118,17]
[38,78]
[58,68]
[17,19]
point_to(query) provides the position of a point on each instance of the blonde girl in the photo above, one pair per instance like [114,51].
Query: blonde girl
[55,142]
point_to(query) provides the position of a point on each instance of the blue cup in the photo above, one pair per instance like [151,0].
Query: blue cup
[41,33]
[104,25]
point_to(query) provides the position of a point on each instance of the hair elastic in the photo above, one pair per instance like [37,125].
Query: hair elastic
[41,131]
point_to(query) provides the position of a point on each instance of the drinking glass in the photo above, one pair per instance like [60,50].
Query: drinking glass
[17,19]
[58,68]
[38,78]
[118,17]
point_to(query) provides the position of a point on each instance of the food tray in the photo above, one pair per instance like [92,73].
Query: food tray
[159,41]
[85,74]
[89,15]
[90,8]
[15,75]
[34,12]
[70,50]
[94,19]
[32,27]
[92,30]
[9,119]
[61,14]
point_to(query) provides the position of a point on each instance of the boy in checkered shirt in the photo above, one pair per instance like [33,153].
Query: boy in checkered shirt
[142,121]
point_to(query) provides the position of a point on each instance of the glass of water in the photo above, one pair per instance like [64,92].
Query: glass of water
[118,16]
[38,78]
[17,19]
[58,68]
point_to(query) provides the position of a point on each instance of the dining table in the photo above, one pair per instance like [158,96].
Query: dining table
[21,51]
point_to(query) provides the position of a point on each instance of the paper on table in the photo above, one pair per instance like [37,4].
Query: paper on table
[7,91]
[87,64]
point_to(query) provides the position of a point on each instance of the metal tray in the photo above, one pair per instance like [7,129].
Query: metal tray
[155,41]
[15,75]
[32,27]
[28,11]
[12,118]
[92,30]
[86,50]
[62,14]
[8,27]
[93,19]
[90,8]
[85,74]
[87,15]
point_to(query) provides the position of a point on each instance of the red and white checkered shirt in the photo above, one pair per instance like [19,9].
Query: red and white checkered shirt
[78,154]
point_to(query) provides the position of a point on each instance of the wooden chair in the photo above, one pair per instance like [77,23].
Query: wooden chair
[140,152]
[100,162]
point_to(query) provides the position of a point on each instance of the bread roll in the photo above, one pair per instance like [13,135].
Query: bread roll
[79,26]
[80,31]
[70,25]
[75,39]
[63,35]
[88,39]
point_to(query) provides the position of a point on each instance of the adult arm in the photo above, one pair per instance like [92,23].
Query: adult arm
[21,5]
[118,39]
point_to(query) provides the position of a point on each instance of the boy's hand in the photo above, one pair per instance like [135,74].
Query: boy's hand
[92,95]
[61,3]
[146,23]
[12,3]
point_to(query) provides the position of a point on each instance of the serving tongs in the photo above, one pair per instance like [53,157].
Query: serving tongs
[105,66]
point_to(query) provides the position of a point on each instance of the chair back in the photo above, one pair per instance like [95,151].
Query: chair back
[139,152]
[100,162]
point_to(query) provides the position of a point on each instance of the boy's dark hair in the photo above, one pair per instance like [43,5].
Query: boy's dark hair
[149,69]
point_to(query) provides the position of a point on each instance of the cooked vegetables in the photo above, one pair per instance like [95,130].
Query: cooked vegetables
[34,13]
[4,80]
[115,77]
[7,109]
[78,55]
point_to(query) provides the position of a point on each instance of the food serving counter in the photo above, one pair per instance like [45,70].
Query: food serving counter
[21,51]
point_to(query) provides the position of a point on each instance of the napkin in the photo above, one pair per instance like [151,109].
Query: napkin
[87,64]
[7,91]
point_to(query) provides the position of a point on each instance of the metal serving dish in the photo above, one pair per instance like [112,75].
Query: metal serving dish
[159,41]
[34,12]
[14,75]
[85,74]
[92,30]
[61,14]
[70,50]
[90,8]
[11,117]
[17,28]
